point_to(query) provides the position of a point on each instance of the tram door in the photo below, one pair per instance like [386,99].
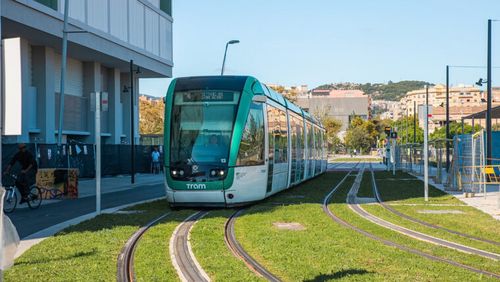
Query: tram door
[278,149]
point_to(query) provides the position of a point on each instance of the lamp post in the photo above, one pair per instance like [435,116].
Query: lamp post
[225,53]
[132,123]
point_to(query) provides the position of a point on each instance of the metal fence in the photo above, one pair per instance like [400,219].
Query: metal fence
[115,158]
[410,158]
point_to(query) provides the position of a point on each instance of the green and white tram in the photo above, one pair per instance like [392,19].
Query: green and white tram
[230,140]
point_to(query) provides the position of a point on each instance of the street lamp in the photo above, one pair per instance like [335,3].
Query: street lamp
[132,130]
[225,53]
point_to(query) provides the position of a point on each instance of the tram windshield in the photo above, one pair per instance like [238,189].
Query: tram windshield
[202,124]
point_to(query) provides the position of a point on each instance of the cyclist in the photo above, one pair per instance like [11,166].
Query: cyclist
[27,176]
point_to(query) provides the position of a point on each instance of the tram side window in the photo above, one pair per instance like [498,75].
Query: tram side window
[252,141]
[278,135]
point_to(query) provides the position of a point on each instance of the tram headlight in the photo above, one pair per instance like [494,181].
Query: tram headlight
[174,172]
[221,172]
[181,172]
[213,172]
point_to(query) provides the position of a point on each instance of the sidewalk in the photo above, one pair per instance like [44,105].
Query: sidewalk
[87,187]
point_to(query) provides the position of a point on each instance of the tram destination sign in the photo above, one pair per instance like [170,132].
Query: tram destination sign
[208,96]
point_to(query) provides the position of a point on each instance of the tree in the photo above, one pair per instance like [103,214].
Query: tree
[332,125]
[361,134]
[405,124]
[357,138]
[151,117]
[455,129]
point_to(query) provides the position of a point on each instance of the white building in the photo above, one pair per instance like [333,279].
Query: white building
[110,34]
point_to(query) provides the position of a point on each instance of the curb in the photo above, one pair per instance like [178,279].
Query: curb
[37,237]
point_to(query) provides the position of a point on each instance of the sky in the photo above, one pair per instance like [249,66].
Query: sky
[291,42]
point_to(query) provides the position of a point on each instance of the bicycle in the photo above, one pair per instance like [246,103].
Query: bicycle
[10,199]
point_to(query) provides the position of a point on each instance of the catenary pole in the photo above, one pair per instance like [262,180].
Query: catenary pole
[447,117]
[426,145]
[488,100]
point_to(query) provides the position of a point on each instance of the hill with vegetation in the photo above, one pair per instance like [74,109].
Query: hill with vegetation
[392,91]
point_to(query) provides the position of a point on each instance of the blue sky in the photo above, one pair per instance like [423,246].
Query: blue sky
[314,42]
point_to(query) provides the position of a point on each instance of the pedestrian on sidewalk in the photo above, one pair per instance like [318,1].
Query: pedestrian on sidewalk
[155,158]
[27,175]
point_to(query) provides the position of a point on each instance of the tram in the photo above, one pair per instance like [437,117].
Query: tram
[231,140]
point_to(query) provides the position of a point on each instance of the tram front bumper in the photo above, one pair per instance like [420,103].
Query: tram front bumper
[203,198]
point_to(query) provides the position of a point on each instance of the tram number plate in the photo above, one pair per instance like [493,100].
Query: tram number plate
[196,186]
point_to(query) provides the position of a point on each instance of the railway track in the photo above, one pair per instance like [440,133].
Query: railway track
[340,221]
[239,252]
[125,263]
[351,200]
[392,210]
[182,256]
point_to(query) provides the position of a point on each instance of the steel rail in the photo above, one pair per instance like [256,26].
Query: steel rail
[416,220]
[238,251]
[391,243]
[182,256]
[125,263]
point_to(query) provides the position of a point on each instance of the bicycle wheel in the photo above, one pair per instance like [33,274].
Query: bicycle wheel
[9,200]
[35,197]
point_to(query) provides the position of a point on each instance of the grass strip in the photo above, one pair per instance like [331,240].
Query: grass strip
[326,250]
[207,241]
[84,252]
[365,188]
[471,221]
[381,212]
[152,258]
[339,207]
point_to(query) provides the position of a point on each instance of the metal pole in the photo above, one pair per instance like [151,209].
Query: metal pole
[488,100]
[98,152]
[447,117]
[63,73]
[132,130]
[414,122]
[2,190]
[426,145]
[224,61]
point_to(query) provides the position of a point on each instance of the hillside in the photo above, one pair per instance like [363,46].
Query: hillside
[392,91]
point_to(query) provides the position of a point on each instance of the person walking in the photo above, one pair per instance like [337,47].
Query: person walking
[27,175]
[155,158]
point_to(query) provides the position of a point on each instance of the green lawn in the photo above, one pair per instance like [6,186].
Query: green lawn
[326,250]
[339,207]
[152,258]
[84,252]
[209,247]
[365,188]
[471,221]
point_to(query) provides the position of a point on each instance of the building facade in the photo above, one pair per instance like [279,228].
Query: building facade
[339,104]
[105,35]
[463,101]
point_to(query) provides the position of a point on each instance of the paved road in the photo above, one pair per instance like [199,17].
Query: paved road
[30,221]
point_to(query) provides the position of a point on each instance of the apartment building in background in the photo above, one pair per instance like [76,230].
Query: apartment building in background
[463,101]
[339,104]
[105,36]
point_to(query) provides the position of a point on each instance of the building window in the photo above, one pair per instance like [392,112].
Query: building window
[166,6]
[49,3]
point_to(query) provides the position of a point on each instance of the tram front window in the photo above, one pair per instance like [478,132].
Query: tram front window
[201,129]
